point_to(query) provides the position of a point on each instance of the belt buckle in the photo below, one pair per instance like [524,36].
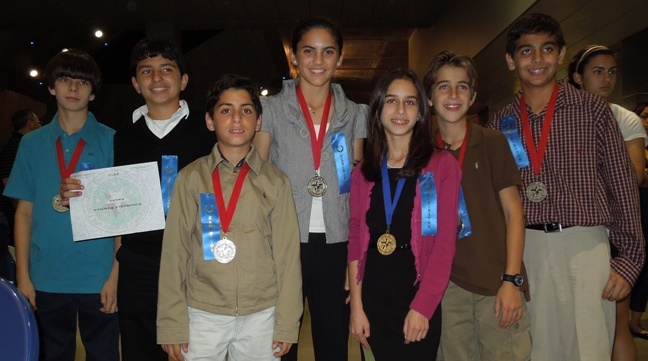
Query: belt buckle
[552,227]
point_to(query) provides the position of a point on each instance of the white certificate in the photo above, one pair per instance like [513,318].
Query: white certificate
[116,201]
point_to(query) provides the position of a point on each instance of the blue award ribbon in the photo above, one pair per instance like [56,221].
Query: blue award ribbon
[428,192]
[342,162]
[210,224]
[510,130]
[390,204]
[464,220]
[169,173]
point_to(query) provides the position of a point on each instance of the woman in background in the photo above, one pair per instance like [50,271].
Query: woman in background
[594,70]
[639,295]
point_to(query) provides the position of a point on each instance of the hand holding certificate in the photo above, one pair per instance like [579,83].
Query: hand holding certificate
[116,201]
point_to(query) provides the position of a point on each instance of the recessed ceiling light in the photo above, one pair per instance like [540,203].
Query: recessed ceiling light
[264,92]
[33,73]
[64,50]
[32,42]
[98,33]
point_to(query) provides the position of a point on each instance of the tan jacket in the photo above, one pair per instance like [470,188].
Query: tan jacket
[266,270]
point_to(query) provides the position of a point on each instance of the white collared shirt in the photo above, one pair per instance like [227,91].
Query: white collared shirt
[162,127]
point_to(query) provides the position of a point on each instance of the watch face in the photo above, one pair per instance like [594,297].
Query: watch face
[518,280]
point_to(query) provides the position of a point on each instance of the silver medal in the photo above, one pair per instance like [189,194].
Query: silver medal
[56,204]
[536,192]
[317,186]
[224,251]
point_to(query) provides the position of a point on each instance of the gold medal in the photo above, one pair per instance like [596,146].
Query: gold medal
[386,244]
[56,204]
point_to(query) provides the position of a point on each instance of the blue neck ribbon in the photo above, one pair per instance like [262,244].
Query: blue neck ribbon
[390,204]
[169,173]
[210,222]
[428,194]
[342,161]
[510,130]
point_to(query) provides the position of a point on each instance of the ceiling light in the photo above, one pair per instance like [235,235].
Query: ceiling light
[264,92]
[98,33]
[64,50]
[33,73]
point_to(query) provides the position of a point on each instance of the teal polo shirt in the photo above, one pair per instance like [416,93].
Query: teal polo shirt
[56,263]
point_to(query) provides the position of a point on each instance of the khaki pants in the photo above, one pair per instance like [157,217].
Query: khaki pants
[471,332]
[567,272]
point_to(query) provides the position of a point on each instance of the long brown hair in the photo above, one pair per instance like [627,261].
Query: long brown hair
[420,147]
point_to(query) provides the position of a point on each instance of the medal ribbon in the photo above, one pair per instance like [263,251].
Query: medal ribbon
[342,162]
[537,156]
[210,224]
[66,172]
[510,131]
[428,192]
[466,229]
[226,214]
[390,204]
[316,141]
[169,173]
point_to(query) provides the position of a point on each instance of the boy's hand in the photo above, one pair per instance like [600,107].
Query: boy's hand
[508,304]
[283,347]
[69,188]
[616,288]
[174,351]
[26,287]
[109,296]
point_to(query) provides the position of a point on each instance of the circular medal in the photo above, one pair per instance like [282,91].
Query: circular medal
[224,251]
[386,244]
[317,186]
[536,192]
[56,204]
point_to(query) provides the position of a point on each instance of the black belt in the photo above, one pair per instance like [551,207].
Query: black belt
[548,227]
[398,246]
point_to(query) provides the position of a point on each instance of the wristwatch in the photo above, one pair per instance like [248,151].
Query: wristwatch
[517,279]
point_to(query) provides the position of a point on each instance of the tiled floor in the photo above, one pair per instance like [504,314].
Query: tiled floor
[306,345]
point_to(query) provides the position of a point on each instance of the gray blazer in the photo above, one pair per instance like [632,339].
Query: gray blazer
[290,151]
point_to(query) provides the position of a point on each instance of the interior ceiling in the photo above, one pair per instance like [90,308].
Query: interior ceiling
[377,35]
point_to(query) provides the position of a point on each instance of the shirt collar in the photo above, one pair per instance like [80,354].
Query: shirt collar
[181,113]
[253,159]
[88,132]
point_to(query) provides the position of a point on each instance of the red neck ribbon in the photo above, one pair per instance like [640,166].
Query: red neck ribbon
[67,171]
[536,156]
[316,141]
[226,214]
[462,151]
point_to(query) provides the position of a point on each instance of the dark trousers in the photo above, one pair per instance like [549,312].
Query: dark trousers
[137,302]
[323,274]
[56,315]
